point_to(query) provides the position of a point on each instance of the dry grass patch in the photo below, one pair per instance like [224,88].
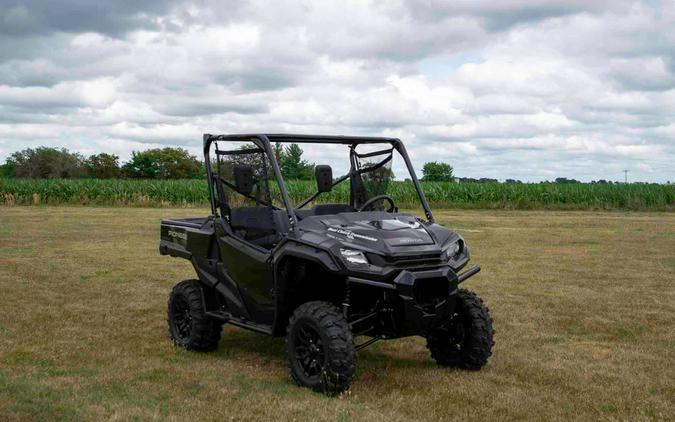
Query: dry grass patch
[583,304]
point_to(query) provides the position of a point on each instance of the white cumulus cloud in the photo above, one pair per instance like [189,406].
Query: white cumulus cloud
[529,90]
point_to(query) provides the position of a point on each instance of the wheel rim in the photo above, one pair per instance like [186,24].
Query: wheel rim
[309,350]
[182,318]
[453,334]
[458,333]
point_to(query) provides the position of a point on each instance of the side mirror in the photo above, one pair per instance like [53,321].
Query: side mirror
[324,178]
[243,178]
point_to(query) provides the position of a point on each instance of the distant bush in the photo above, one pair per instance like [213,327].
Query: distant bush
[6,170]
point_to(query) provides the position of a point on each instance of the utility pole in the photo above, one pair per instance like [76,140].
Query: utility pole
[625,175]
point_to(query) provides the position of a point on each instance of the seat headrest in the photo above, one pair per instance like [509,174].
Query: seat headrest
[243,178]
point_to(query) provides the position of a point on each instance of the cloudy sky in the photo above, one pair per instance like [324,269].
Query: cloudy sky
[520,89]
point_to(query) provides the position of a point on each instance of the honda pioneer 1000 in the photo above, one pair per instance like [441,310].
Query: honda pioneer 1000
[326,275]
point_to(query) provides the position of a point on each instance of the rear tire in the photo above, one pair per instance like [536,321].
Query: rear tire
[320,348]
[466,339]
[189,327]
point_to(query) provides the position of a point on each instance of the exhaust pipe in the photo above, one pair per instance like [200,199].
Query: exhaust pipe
[468,273]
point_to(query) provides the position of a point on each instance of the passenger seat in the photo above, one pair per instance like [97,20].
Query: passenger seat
[258,225]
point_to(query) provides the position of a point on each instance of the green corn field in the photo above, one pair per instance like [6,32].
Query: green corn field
[156,193]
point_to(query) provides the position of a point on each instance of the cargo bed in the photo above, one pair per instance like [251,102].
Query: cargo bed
[195,222]
[186,237]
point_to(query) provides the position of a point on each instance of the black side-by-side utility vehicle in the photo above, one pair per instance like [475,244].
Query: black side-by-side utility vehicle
[326,275]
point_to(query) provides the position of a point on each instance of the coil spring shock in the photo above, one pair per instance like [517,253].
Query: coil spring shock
[346,301]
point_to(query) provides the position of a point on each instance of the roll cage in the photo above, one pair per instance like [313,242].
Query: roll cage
[263,144]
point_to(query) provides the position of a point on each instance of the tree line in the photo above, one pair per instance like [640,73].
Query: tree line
[178,163]
[158,163]
[55,163]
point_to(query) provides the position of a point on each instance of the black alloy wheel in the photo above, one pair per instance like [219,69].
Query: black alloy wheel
[320,348]
[309,350]
[182,319]
[189,326]
[466,339]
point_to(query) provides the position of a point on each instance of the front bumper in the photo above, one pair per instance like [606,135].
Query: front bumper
[425,298]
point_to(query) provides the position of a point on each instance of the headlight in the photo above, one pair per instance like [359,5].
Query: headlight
[354,257]
[453,249]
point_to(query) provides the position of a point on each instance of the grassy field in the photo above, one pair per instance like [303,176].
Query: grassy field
[154,193]
[583,304]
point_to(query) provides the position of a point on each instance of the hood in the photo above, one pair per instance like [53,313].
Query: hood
[377,231]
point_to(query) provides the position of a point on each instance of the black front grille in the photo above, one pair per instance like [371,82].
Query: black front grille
[415,258]
[406,260]
[430,291]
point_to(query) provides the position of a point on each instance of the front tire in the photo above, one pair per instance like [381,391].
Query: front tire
[466,339]
[320,348]
[189,326]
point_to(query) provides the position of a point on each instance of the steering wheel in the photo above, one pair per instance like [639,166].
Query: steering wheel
[371,201]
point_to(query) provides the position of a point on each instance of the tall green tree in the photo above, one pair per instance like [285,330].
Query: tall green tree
[178,163]
[293,166]
[164,163]
[279,152]
[45,163]
[102,166]
[143,165]
[437,172]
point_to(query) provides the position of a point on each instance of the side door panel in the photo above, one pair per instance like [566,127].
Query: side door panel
[250,268]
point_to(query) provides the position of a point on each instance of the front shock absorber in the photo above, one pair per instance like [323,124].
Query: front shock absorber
[346,301]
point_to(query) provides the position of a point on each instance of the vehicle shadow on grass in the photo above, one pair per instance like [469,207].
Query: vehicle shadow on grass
[373,363]
[380,359]
[238,340]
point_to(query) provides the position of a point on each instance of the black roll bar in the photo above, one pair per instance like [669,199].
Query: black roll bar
[264,142]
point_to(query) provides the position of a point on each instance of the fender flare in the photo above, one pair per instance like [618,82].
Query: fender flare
[301,251]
